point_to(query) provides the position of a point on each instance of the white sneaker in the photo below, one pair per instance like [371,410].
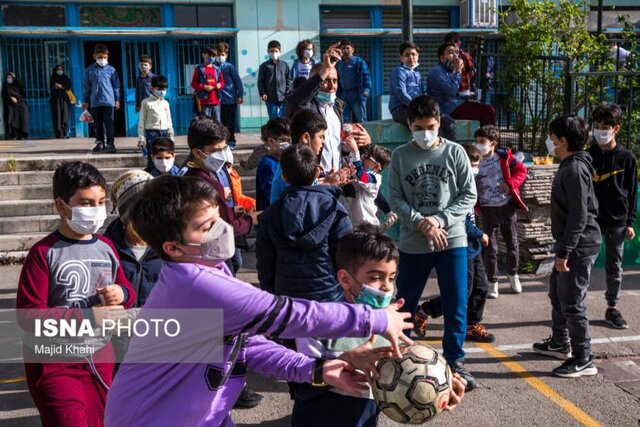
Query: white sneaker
[493,291]
[514,281]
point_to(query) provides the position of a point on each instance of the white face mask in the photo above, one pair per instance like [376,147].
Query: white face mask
[551,148]
[425,138]
[163,165]
[308,53]
[274,55]
[9,80]
[102,62]
[86,220]
[475,171]
[483,148]
[228,155]
[222,59]
[603,136]
[219,243]
[215,161]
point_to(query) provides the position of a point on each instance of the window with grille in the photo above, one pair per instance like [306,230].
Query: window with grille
[188,57]
[203,16]
[391,57]
[37,16]
[422,17]
[337,18]
[133,51]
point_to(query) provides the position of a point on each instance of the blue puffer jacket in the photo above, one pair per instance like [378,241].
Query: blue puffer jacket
[296,243]
[142,275]
[443,85]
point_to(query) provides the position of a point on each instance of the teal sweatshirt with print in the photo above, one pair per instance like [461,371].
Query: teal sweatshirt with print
[434,182]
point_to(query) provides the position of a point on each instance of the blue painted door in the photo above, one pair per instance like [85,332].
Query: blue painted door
[131,52]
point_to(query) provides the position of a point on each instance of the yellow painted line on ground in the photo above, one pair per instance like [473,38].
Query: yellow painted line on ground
[12,380]
[540,386]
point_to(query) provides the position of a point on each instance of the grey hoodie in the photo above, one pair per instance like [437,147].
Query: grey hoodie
[574,208]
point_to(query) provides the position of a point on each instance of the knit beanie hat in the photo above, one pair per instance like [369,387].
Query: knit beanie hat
[126,187]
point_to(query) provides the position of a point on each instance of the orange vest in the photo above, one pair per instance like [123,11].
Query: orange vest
[239,198]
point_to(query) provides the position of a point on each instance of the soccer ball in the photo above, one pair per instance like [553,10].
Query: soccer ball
[415,388]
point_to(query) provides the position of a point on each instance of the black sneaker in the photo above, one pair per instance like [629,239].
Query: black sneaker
[109,148]
[548,347]
[460,369]
[574,368]
[248,399]
[98,148]
[615,319]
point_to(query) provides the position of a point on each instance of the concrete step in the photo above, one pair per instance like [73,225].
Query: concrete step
[9,208]
[35,224]
[19,241]
[43,191]
[14,257]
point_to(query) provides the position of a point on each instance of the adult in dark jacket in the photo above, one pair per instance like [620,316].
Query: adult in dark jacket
[574,209]
[318,94]
[59,84]
[15,109]
[298,235]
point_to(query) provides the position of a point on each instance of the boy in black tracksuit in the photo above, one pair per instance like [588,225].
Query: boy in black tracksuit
[616,186]
[574,209]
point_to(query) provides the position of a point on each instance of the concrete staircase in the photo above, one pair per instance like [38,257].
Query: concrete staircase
[27,213]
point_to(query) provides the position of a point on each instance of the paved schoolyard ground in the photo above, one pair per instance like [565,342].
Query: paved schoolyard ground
[517,386]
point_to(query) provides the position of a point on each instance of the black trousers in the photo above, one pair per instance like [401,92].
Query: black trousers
[103,120]
[228,118]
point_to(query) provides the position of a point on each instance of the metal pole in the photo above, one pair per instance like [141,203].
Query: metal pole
[407,20]
[599,16]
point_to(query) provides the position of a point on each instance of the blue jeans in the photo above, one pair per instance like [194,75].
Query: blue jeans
[355,107]
[451,267]
[212,111]
[275,109]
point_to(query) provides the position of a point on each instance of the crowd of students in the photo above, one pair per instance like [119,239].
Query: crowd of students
[326,270]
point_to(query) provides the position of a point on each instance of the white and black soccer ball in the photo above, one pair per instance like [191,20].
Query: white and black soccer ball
[415,388]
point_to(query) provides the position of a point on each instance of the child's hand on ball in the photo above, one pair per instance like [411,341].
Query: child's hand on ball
[457,392]
[343,375]
[365,356]
[396,323]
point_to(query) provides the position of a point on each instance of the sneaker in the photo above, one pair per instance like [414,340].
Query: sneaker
[574,368]
[493,290]
[516,286]
[460,369]
[248,399]
[98,148]
[615,319]
[478,333]
[548,347]
[420,321]
[109,148]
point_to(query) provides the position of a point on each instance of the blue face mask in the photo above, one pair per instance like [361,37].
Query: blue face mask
[373,297]
[326,97]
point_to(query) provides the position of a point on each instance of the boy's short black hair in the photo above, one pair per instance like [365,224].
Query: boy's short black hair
[573,128]
[345,42]
[160,82]
[162,145]
[491,132]
[277,127]
[408,45]
[100,48]
[70,177]
[301,46]
[305,121]
[380,154]
[443,47]
[204,130]
[209,50]
[472,152]
[222,47]
[452,37]
[274,44]
[146,58]
[365,243]
[423,106]
[299,165]
[163,209]
[608,114]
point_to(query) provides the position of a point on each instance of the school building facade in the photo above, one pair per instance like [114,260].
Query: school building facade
[36,35]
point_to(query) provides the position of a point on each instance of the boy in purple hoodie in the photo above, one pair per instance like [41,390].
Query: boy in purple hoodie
[178,217]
